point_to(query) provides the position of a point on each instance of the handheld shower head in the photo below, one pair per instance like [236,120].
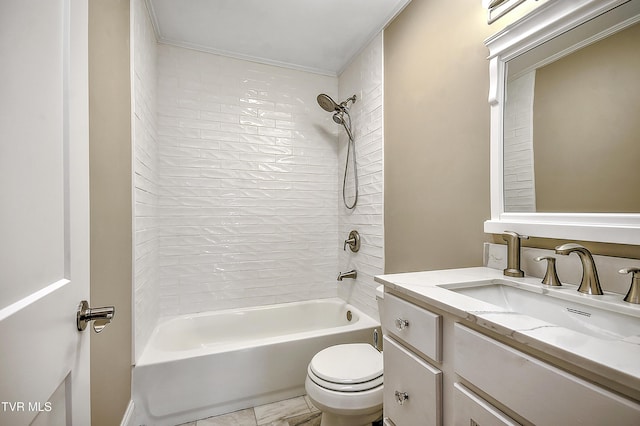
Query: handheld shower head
[338,117]
[327,103]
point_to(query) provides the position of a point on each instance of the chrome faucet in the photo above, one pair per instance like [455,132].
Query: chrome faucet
[590,283]
[513,253]
[351,274]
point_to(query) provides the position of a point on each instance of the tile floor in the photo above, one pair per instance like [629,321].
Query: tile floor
[297,411]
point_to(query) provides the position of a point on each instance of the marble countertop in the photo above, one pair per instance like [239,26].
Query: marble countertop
[615,359]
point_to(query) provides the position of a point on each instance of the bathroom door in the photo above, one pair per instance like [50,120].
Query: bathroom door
[44,212]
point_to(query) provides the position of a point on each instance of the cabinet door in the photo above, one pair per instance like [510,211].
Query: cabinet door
[473,410]
[539,392]
[414,325]
[412,388]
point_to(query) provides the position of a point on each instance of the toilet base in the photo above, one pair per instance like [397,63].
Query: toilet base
[331,419]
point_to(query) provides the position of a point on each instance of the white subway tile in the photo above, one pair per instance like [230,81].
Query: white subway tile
[244,163]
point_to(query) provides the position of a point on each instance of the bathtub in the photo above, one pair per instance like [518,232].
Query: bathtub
[206,364]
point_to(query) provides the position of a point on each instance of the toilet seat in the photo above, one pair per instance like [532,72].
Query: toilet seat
[354,367]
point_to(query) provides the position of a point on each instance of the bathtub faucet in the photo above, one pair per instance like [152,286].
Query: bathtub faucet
[351,274]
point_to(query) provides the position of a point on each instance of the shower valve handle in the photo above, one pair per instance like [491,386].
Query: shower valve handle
[353,242]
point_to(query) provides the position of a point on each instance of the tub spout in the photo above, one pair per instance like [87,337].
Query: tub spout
[351,274]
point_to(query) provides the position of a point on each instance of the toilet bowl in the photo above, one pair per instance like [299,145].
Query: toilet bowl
[345,383]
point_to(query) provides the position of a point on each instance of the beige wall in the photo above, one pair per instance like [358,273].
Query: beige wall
[586,127]
[436,136]
[110,180]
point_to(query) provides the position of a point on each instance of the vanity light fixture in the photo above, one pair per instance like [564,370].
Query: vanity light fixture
[499,8]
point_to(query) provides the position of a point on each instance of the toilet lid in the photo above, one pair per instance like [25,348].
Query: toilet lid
[348,364]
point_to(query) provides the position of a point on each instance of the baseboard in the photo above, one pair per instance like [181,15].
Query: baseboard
[128,418]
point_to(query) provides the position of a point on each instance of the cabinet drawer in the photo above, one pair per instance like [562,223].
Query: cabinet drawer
[406,375]
[414,325]
[539,392]
[473,410]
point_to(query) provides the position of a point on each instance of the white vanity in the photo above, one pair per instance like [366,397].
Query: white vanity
[452,358]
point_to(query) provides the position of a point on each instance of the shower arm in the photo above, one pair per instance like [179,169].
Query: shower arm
[344,103]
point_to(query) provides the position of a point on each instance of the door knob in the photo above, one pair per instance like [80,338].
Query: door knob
[100,316]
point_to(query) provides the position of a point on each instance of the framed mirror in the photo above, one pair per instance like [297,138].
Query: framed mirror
[565,122]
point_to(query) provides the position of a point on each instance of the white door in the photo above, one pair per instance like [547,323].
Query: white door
[44,212]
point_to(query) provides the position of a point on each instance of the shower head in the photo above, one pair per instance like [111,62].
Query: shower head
[338,117]
[327,103]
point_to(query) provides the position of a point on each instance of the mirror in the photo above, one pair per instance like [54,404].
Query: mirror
[571,128]
[565,134]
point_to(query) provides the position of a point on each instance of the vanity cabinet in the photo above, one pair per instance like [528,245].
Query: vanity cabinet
[470,409]
[414,326]
[412,386]
[537,391]
[437,370]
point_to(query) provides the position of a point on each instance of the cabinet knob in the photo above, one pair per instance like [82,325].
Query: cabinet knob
[401,397]
[401,324]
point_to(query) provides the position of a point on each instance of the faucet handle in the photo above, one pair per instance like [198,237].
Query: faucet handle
[353,242]
[551,276]
[633,295]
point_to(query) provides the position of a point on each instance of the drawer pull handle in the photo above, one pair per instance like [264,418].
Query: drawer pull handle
[401,397]
[401,324]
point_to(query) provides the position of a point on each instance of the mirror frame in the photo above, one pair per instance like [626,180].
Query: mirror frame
[542,24]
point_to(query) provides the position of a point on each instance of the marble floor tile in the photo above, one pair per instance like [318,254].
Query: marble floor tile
[309,419]
[312,419]
[270,413]
[237,418]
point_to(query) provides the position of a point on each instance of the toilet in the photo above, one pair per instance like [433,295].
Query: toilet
[345,382]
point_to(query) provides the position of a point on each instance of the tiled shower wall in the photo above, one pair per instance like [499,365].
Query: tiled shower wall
[248,207]
[145,174]
[238,176]
[364,78]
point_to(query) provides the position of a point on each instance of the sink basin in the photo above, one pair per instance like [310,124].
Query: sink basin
[561,306]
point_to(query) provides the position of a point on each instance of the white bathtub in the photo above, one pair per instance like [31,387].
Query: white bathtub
[202,365]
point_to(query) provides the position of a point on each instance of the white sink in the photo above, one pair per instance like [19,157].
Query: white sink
[606,318]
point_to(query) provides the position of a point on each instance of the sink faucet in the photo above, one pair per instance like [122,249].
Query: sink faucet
[590,283]
[513,253]
[351,274]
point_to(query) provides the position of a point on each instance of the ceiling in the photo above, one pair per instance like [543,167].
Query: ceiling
[320,36]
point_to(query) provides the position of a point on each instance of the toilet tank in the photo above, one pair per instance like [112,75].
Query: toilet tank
[380,300]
